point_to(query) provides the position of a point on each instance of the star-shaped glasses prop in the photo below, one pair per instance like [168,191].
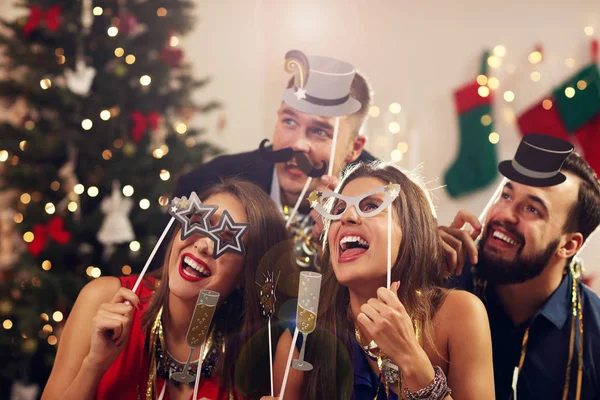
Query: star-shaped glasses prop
[332,206]
[195,218]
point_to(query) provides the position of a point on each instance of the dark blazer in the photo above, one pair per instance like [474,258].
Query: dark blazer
[249,166]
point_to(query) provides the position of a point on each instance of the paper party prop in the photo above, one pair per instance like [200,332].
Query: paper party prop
[80,80]
[538,161]
[267,301]
[37,16]
[196,335]
[287,154]
[321,87]
[338,204]
[306,321]
[195,218]
[116,227]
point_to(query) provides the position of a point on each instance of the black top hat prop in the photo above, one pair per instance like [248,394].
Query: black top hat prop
[538,161]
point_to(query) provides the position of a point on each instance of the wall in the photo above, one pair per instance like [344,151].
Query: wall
[414,53]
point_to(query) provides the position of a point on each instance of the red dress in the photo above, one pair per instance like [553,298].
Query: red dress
[127,376]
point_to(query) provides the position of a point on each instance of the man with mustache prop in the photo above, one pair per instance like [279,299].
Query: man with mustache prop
[544,321]
[304,144]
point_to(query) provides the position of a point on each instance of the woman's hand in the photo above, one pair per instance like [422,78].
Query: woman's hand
[386,321]
[110,328]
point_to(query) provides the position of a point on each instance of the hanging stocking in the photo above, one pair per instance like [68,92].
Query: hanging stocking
[476,164]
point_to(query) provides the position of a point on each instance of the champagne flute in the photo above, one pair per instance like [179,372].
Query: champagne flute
[196,335]
[306,313]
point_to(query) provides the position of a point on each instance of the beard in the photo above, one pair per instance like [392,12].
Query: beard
[518,270]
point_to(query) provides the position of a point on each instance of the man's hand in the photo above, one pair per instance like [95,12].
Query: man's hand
[459,243]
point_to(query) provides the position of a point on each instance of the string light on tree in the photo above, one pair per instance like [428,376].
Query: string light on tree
[134,246]
[29,125]
[144,204]
[536,76]
[52,340]
[45,83]
[164,175]
[374,111]
[3,155]
[25,198]
[570,62]
[486,120]
[7,324]
[173,41]
[50,209]
[98,11]
[130,59]
[589,30]
[92,191]
[161,12]
[181,128]
[581,85]
[87,124]
[105,115]
[190,142]
[113,31]
[145,80]
[44,317]
[72,206]
[482,80]
[402,147]
[88,270]
[47,328]
[79,189]
[119,52]
[128,190]
[57,316]
[483,91]
[46,265]
[547,104]
[107,154]
[163,200]
[18,218]
[126,270]
[23,143]
[96,272]
[493,83]
[158,154]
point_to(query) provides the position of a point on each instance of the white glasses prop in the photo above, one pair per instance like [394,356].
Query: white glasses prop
[332,206]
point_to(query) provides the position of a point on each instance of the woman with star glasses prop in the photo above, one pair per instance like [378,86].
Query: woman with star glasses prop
[120,343]
[414,338]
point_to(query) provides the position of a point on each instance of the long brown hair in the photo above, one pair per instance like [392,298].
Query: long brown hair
[417,267]
[242,367]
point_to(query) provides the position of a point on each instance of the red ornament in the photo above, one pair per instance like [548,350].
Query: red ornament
[37,15]
[172,57]
[55,230]
[142,122]
[127,22]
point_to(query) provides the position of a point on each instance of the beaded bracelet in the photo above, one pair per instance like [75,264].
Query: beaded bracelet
[436,390]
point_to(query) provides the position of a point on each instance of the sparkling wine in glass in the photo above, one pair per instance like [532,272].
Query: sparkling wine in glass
[306,313]
[196,335]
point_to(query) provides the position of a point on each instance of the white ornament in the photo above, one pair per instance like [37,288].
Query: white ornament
[80,80]
[116,227]
[21,391]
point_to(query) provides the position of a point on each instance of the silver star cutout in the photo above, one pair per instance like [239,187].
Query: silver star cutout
[223,245]
[186,209]
[300,94]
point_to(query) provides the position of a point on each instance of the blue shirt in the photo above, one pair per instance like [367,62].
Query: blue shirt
[544,368]
[365,380]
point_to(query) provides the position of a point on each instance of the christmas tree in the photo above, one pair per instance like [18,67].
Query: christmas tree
[97,99]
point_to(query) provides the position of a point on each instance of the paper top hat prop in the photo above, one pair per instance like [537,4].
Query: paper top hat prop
[322,85]
[538,161]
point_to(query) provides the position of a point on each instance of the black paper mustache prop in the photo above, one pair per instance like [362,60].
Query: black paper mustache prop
[286,154]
